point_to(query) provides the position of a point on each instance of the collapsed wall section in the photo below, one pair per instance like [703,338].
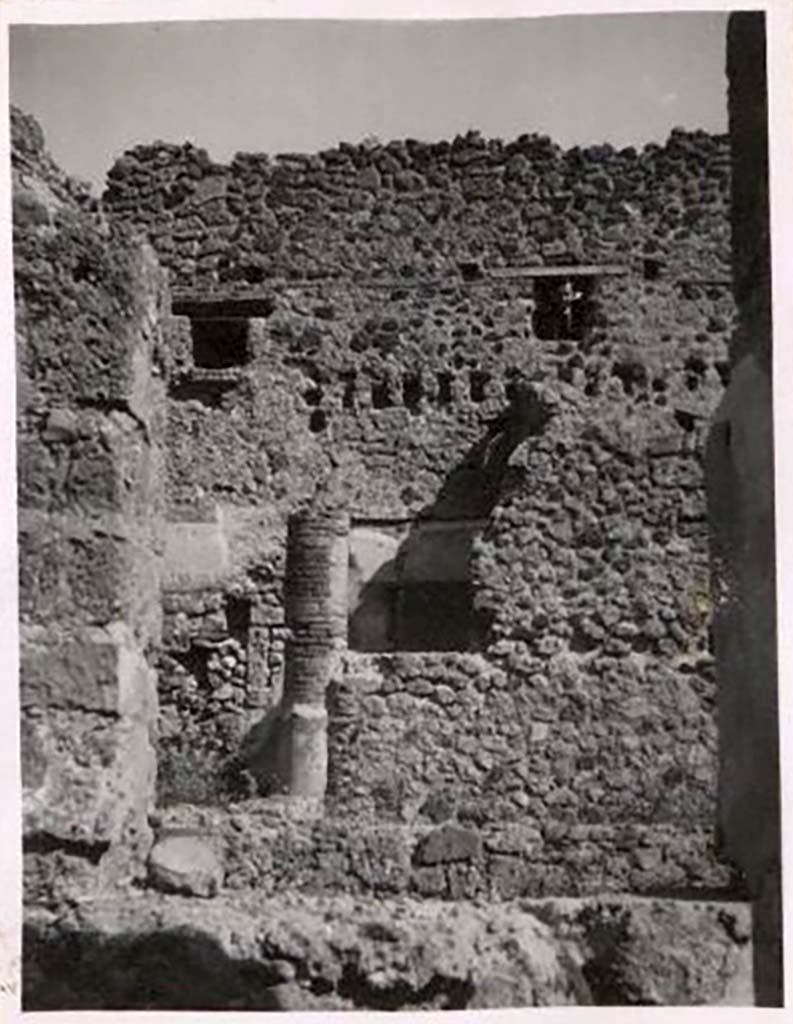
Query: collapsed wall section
[90,423]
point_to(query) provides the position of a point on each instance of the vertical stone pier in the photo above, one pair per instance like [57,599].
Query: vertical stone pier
[740,477]
[90,432]
[315,599]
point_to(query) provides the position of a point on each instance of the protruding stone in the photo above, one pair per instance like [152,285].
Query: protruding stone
[185,864]
[449,843]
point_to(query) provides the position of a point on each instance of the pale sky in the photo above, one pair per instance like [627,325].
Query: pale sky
[276,86]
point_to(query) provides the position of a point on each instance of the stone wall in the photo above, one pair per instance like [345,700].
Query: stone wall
[381,331]
[90,423]
[413,210]
[621,437]
[376,336]
[277,845]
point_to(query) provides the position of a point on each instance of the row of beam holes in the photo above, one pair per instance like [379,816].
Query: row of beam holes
[636,383]
[634,375]
[382,397]
[412,392]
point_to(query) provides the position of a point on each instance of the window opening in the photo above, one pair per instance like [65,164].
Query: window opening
[317,421]
[220,343]
[471,270]
[564,307]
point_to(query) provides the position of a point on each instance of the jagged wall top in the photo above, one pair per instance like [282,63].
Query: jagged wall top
[30,157]
[414,210]
[82,283]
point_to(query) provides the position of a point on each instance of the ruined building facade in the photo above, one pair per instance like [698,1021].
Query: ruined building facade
[363,540]
[490,367]
[363,549]
[414,439]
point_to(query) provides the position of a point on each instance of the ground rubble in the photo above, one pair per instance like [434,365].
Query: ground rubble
[150,950]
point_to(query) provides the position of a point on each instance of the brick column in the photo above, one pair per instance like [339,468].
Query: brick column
[316,615]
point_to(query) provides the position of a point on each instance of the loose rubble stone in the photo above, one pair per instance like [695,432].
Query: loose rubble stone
[185,864]
[351,953]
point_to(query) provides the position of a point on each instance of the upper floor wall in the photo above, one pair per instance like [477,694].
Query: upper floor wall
[413,210]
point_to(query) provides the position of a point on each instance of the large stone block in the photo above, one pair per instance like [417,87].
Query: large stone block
[79,571]
[89,706]
[185,864]
[88,462]
[90,404]
[196,554]
[88,671]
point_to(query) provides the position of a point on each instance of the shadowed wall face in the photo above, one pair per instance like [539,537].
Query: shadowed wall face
[740,474]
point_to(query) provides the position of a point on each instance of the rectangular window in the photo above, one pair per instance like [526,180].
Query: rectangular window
[220,343]
[564,307]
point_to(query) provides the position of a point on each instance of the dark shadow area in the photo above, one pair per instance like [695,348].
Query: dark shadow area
[238,617]
[183,969]
[439,992]
[44,843]
[179,969]
[565,307]
[445,388]
[739,462]
[653,268]
[471,270]
[209,392]
[220,343]
[421,598]
[208,309]
[424,615]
